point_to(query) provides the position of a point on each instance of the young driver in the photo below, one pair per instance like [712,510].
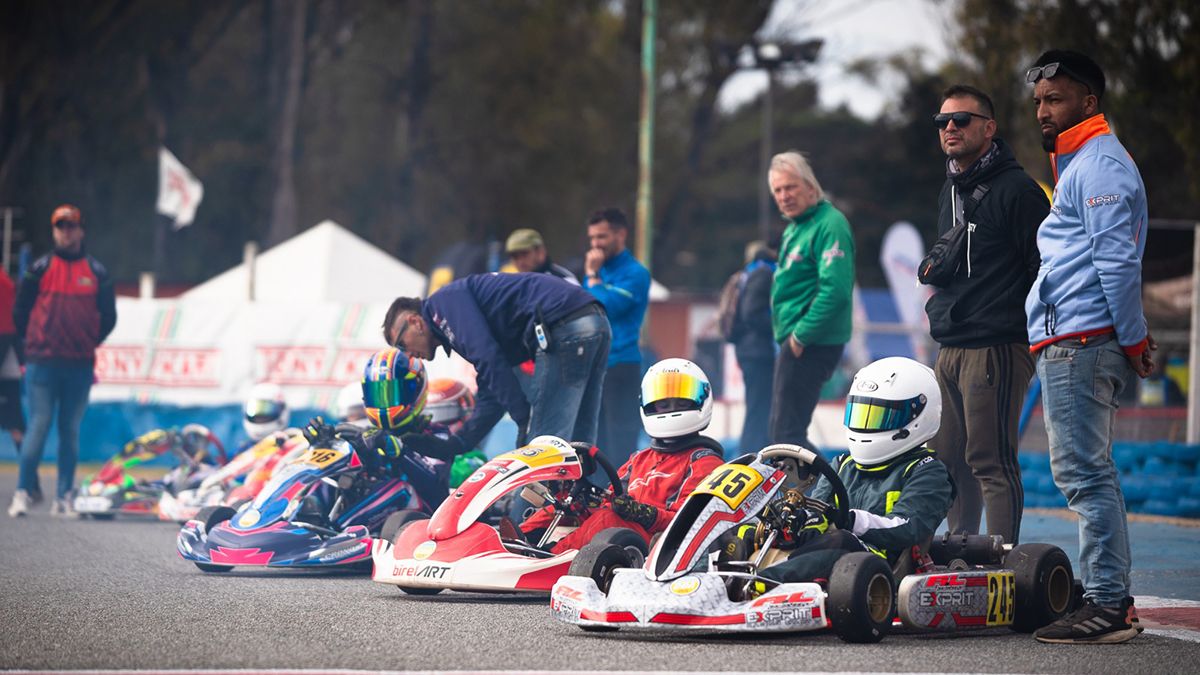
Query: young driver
[899,492]
[676,405]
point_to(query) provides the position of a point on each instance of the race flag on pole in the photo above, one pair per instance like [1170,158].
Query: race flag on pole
[179,193]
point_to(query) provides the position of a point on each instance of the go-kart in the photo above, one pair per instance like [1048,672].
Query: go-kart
[685,584]
[239,479]
[115,490]
[454,549]
[320,509]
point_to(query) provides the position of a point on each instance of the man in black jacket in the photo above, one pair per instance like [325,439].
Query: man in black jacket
[982,267]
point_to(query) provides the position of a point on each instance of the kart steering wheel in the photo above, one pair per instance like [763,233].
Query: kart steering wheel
[801,464]
[588,461]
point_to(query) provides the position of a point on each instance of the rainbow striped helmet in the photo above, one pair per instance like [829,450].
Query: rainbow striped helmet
[394,389]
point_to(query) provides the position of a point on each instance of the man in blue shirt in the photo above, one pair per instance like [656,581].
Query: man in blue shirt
[622,285]
[496,321]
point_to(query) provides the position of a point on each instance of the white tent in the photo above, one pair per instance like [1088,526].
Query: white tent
[326,262]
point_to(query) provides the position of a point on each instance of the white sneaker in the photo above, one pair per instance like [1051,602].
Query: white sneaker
[20,504]
[63,509]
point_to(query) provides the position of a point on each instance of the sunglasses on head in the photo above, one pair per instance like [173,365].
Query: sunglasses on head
[1049,70]
[961,119]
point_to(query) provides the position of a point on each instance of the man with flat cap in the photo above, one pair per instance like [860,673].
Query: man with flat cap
[528,253]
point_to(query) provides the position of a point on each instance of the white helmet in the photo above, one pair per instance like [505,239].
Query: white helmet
[683,383]
[894,405]
[265,412]
[349,406]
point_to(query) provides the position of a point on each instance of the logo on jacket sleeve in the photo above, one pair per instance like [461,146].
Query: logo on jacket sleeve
[84,281]
[1101,200]
[832,253]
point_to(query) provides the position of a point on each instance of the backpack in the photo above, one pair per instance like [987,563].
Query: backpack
[727,306]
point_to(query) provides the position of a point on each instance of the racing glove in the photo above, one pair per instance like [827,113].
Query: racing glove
[317,432]
[432,446]
[634,511]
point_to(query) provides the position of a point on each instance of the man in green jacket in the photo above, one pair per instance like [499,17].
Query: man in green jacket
[810,298]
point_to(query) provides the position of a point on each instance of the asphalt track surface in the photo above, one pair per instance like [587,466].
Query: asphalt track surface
[80,594]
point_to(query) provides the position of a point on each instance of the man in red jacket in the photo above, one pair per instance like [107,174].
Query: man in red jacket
[65,308]
[676,405]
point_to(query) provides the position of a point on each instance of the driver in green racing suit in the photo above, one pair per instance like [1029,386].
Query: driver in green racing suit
[898,490]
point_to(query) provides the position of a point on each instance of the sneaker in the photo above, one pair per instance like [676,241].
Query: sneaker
[1091,623]
[63,509]
[20,504]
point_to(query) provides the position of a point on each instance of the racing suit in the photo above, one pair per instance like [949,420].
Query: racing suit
[894,506]
[661,475]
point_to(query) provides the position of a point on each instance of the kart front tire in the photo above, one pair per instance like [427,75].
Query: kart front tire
[100,516]
[862,598]
[214,569]
[419,590]
[212,516]
[627,539]
[1044,585]
[397,521]
[598,561]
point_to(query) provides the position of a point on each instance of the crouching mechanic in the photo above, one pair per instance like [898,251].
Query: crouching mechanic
[676,405]
[899,491]
[394,391]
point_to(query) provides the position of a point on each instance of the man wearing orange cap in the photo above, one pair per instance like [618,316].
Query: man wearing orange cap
[65,308]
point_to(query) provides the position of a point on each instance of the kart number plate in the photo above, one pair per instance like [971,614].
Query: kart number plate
[320,457]
[1001,592]
[731,483]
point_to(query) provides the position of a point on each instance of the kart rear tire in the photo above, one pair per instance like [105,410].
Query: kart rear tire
[1044,585]
[631,541]
[598,561]
[396,522]
[214,569]
[862,598]
[212,516]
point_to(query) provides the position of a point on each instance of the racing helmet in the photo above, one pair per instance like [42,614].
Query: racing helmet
[393,389]
[894,405]
[266,411]
[450,403]
[348,407]
[676,399]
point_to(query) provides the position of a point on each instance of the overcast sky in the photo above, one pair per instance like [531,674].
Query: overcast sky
[851,31]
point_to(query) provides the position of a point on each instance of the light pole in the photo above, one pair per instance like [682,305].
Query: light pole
[771,56]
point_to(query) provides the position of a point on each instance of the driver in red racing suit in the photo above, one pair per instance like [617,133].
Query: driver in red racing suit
[676,405]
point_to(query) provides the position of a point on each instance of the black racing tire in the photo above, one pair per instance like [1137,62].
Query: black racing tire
[212,516]
[598,561]
[410,590]
[1044,585]
[214,569]
[862,598]
[631,541]
[397,520]
[101,516]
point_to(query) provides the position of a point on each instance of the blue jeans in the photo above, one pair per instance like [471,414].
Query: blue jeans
[758,375]
[1080,386]
[567,383]
[51,386]
[568,380]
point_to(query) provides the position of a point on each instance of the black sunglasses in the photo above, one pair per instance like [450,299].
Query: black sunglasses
[961,119]
[1049,70]
[65,224]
